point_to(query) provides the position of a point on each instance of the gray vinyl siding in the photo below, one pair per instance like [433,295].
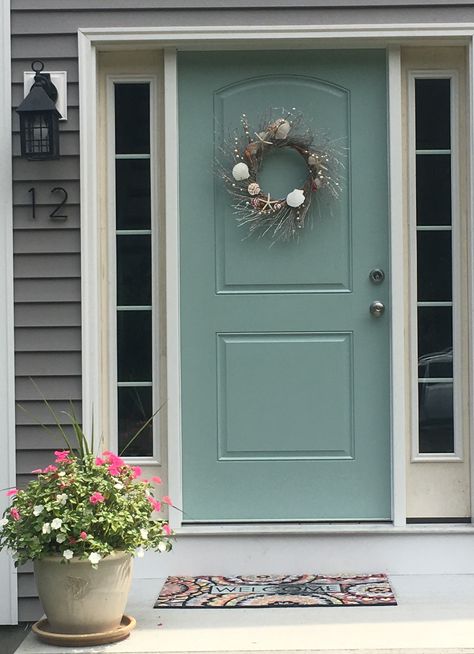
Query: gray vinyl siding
[47,252]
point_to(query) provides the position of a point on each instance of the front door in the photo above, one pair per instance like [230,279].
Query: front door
[285,371]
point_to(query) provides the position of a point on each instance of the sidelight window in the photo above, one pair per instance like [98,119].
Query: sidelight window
[434,287]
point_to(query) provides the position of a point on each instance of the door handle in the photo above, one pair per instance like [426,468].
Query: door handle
[377,308]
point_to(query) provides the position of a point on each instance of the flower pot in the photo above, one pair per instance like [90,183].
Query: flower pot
[79,599]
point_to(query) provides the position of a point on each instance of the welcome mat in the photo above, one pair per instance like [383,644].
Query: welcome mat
[275,591]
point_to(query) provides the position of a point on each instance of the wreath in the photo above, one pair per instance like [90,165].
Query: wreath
[244,155]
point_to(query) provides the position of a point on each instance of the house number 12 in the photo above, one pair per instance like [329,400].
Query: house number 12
[55,213]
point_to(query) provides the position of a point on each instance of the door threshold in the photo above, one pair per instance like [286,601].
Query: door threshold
[305,528]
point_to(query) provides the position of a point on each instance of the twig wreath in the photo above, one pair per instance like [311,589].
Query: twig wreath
[244,154]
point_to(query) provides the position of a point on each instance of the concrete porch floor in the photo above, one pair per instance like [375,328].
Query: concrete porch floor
[435,614]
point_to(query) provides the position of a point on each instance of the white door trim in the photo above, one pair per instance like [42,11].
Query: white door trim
[8,581]
[204,37]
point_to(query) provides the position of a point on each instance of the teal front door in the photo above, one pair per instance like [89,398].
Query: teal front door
[285,371]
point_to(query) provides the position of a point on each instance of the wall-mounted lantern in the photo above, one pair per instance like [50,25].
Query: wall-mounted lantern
[39,127]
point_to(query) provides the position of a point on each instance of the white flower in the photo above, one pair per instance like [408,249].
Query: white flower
[56,523]
[3,522]
[144,534]
[68,554]
[61,498]
[162,547]
[94,558]
[39,508]
[295,198]
[282,130]
[46,529]
[240,171]
[60,538]
[61,474]
[140,552]
[118,485]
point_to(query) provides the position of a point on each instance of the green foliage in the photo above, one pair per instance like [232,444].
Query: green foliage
[84,507]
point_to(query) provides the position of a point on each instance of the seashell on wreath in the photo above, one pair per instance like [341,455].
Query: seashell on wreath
[240,171]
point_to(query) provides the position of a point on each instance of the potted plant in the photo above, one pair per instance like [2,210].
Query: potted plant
[81,521]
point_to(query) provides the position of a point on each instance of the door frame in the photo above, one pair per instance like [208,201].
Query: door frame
[8,577]
[170,40]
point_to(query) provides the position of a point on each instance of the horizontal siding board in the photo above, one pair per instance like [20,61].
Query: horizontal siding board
[29,609]
[28,460]
[72,94]
[26,585]
[48,364]
[48,241]
[74,5]
[19,66]
[47,290]
[48,339]
[35,437]
[50,266]
[22,196]
[23,219]
[60,21]
[69,145]
[36,411]
[62,169]
[69,125]
[43,315]
[37,46]
[53,387]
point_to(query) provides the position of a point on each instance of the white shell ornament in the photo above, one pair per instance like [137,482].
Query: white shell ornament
[295,198]
[282,130]
[240,171]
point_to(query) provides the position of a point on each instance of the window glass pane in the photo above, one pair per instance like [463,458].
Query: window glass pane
[134,346]
[436,417]
[132,193]
[435,331]
[433,127]
[434,266]
[132,118]
[135,408]
[436,366]
[133,270]
[433,189]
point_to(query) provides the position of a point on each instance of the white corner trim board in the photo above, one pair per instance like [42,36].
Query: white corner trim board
[8,585]
[169,39]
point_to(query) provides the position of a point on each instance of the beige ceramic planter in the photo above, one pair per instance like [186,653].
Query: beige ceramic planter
[80,600]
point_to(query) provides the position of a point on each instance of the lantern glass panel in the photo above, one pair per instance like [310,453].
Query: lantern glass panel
[37,134]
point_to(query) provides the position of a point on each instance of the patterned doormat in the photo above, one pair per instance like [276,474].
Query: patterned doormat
[274,591]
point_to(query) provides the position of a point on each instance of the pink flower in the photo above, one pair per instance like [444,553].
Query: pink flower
[113,458]
[156,480]
[155,504]
[167,500]
[62,456]
[83,535]
[99,461]
[14,513]
[12,491]
[50,469]
[167,529]
[137,471]
[96,497]
[114,471]
[37,471]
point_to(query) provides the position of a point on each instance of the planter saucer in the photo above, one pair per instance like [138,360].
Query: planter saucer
[44,633]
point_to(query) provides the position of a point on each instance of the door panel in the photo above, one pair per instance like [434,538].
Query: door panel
[285,374]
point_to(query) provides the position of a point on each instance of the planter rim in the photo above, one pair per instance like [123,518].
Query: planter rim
[58,557]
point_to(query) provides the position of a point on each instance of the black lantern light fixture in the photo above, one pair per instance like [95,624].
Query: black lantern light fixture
[39,118]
